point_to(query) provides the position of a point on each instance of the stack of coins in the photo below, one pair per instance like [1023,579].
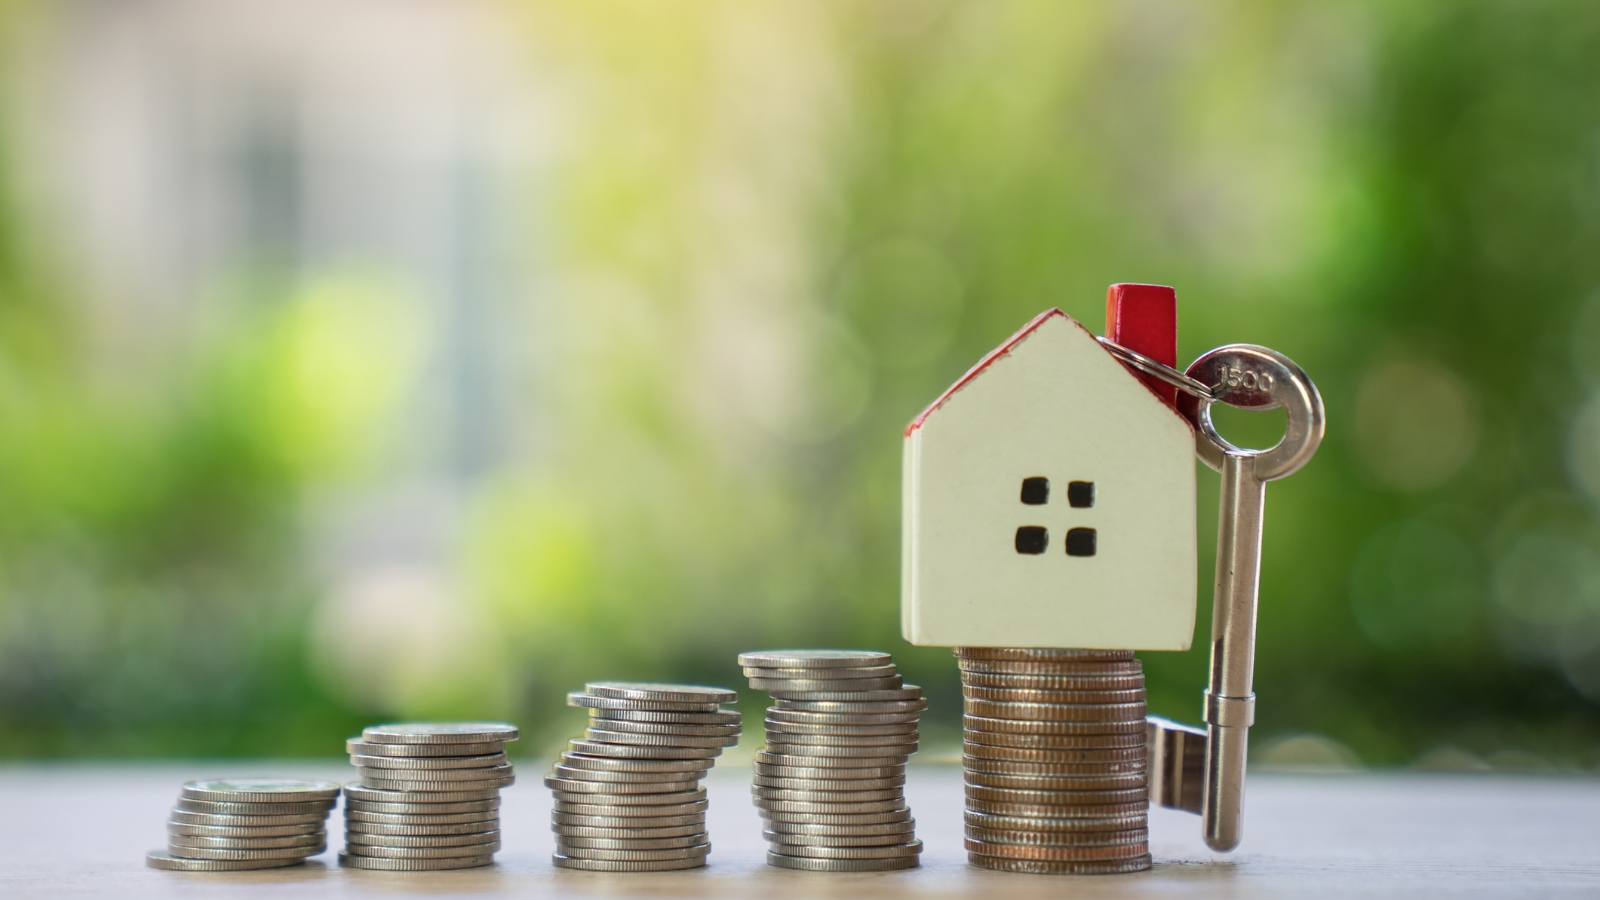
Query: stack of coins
[428,798]
[628,795]
[1054,756]
[830,781]
[246,823]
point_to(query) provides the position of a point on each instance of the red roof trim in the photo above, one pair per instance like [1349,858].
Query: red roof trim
[984,363]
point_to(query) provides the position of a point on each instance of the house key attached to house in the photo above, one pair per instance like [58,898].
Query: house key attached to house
[1182,759]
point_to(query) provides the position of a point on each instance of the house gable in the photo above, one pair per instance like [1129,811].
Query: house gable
[1049,404]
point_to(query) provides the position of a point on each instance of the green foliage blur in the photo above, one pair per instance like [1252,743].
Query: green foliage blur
[769,235]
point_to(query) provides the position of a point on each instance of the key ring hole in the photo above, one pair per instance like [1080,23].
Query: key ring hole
[1250,428]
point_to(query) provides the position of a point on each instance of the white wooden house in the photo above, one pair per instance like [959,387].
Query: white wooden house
[1049,501]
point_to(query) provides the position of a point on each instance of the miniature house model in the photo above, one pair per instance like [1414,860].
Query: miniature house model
[1049,501]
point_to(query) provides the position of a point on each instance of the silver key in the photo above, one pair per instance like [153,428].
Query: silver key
[1248,377]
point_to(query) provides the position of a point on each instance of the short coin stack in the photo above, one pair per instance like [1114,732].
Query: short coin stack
[246,823]
[428,798]
[1054,756]
[831,780]
[628,795]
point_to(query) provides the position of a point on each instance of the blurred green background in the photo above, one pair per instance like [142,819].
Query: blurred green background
[363,360]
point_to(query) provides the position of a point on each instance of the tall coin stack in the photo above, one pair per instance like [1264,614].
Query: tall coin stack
[428,798]
[246,823]
[1054,755]
[830,781]
[628,795]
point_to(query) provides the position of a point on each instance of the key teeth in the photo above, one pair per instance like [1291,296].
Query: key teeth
[1177,760]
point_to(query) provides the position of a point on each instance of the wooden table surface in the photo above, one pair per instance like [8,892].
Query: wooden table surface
[82,830]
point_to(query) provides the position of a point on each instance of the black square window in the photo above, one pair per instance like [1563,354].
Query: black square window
[1080,493]
[1035,491]
[1080,541]
[1033,540]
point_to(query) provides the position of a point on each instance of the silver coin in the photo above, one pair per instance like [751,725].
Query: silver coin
[634,751]
[300,852]
[352,861]
[396,784]
[1056,810]
[1056,798]
[1058,741]
[790,774]
[616,764]
[782,840]
[1052,783]
[778,820]
[291,841]
[1066,823]
[658,740]
[695,821]
[440,733]
[427,852]
[853,785]
[1131,728]
[487,826]
[358,841]
[833,798]
[904,692]
[671,693]
[800,760]
[799,685]
[723,717]
[897,729]
[422,808]
[157,859]
[569,842]
[820,674]
[677,798]
[1056,769]
[910,848]
[847,743]
[1085,839]
[365,794]
[1056,712]
[481,773]
[413,821]
[839,706]
[243,831]
[1036,654]
[222,808]
[824,811]
[801,717]
[812,659]
[261,790]
[841,865]
[429,764]
[730,730]
[573,786]
[602,776]
[629,834]
[902,826]
[590,701]
[697,850]
[616,865]
[840,751]
[357,747]
[184,817]
[629,811]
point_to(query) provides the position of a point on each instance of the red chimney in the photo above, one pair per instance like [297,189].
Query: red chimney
[1144,318]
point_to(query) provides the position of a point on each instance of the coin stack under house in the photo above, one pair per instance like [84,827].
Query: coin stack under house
[830,781]
[246,823]
[428,798]
[1054,756]
[627,795]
